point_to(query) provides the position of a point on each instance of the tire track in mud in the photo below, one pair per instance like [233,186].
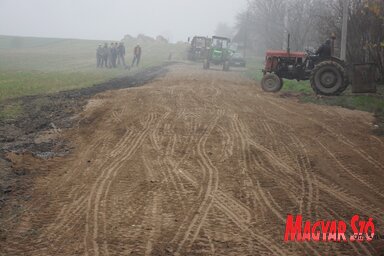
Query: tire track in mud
[227,144]
[189,178]
[378,140]
[303,164]
[353,245]
[242,219]
[193,228]
[173,170]
[168,165]
[331,192]
[341,138]
[244,136]
[155,223]
[281,150]
[231,207]
[242,224]
[357,177]
[172,167]
[73,204]
[100,189]
[343,195]
[225,172]
[259,193]
[348,170]
[335,192]
[244,148]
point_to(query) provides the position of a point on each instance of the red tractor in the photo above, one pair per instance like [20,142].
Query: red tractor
[327,75]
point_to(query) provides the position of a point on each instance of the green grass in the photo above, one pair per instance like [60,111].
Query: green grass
[373,103]
[14,84]
[254,67]
[296,86]
[30,66]
[368,103]
[33,66]
[11,111]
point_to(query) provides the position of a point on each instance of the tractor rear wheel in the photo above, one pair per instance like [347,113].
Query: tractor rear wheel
[328,78]
[271,83]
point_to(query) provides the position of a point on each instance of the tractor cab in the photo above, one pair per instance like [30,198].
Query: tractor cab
[220,42]
[219,53]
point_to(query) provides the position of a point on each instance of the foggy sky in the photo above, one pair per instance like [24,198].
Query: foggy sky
[112,19]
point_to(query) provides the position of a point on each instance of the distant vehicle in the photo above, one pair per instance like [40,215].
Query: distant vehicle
[219,53]
[198,48]
[237,60]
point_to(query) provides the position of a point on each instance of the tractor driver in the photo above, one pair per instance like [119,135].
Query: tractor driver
[325,50]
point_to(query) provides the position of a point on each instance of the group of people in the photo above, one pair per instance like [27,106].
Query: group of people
[113,55]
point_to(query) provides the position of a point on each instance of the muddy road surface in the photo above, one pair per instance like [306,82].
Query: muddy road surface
[200,163]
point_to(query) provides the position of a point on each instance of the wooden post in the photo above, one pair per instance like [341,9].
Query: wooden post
[344,30]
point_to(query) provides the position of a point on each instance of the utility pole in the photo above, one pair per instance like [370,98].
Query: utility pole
[286,33]
[344,30]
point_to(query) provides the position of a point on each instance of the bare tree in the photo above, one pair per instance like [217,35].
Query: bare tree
[266,22]
[366,28]
[301,23]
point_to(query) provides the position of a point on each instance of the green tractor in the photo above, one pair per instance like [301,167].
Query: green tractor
[219,53]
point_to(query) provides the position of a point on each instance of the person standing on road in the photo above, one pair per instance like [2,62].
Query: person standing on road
[110,57]
[136,55]
[99,56]
[104,54]
[121,55]
[113,55]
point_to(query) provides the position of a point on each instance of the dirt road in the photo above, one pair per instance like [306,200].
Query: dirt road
[201,163]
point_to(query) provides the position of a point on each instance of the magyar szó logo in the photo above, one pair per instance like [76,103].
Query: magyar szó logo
[329,230]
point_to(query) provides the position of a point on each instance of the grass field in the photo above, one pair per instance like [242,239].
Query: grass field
[30,66]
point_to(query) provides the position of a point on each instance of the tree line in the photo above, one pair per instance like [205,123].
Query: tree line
[265,24]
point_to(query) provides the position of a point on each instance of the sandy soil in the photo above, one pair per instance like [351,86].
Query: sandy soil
[200,163]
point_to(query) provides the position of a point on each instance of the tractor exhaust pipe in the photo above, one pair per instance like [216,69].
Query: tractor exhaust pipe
[288,44]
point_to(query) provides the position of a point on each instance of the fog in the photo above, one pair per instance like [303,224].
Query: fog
[112,19]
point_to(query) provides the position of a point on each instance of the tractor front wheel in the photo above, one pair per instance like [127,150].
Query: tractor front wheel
[271,83]
[328,78]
